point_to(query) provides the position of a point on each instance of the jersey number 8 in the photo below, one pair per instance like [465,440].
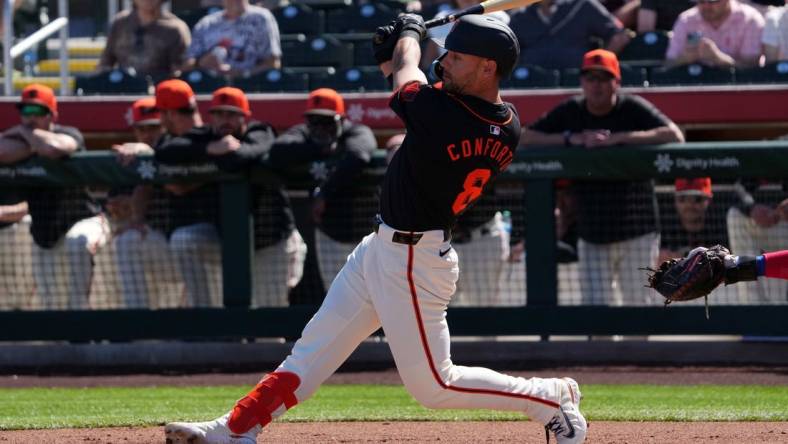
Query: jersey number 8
[471,189]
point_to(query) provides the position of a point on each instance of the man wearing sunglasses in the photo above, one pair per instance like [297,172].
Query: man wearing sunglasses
[616,221]
[336,150]
[692,223]
[717,33]
[65,233]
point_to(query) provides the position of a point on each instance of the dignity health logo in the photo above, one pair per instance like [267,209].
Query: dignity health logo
[664,163]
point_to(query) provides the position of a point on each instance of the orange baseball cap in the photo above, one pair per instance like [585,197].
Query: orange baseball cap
[602,60]
[230,99]
[144,112]
[325,102]
[698,186]
[38,94]
[175,94]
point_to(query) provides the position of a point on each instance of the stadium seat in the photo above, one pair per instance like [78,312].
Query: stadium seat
[297,18]
[353,79]
[630,76]
[691,75]
[327,4]
[112,82]
[649,46]
[192,16]
[530,76]
[772,73]
[274,80]
[361,18]
[362,47]
[203,82]
[317,51]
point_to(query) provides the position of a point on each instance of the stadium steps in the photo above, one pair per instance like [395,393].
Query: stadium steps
[75,66]
[53,82]
[78,48]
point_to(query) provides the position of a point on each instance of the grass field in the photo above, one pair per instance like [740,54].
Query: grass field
[108,407]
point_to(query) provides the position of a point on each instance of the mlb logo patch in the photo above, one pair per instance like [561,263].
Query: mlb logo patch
[495,130]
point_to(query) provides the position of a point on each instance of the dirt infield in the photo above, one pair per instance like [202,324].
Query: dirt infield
[438,432]
[441,432]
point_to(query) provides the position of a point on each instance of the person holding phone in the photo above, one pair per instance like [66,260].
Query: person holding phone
[717,33]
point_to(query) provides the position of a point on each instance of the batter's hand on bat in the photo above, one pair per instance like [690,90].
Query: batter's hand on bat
[384,40]
[413,24]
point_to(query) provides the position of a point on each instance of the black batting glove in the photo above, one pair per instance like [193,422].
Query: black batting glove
[413,25]
[384,41]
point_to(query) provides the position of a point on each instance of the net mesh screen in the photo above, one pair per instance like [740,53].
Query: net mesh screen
[155,247]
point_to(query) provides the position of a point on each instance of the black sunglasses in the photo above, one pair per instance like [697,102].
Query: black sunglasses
[692,199]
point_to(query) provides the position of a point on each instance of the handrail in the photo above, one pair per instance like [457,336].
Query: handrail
[36,37]
[10,53]
[8,35]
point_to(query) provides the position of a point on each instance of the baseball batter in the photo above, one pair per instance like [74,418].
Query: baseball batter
[402,276]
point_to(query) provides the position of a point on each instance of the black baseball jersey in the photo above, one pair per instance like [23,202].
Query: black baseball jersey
[55,210]
[455,146]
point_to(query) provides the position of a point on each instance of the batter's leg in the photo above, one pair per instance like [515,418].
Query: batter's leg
[414,285]
[345,318]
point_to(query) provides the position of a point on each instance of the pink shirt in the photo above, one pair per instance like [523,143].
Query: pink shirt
[739,35]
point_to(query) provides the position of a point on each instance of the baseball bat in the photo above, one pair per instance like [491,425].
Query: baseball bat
[482,8]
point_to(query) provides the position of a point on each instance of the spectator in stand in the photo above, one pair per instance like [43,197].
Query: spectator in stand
[279,249]
[660,15]
[691,225]
[775,35]
[240,40]
[431,49]
[65,234]
[556,33]
[336,150]
[757,222]
[146,40]
[625,11]
[16,280]
[717,33]
[616,221]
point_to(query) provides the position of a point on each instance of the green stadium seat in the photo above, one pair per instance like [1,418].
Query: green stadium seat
[203,82]
[274,80]
[317,51]
[691,75]
[360,18]
[772,73]
[649,46]
[297,18]
[115,81]
[327,5]
[358,79]
[630,76]
[362,47]
[531,76]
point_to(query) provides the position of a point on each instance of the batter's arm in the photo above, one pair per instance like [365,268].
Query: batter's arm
[405,63]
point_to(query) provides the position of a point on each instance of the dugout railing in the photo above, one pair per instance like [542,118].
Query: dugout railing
[535,168]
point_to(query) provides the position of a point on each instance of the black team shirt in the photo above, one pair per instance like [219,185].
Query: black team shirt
[455,146]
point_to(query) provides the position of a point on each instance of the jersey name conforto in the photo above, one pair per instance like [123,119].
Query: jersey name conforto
[484,147]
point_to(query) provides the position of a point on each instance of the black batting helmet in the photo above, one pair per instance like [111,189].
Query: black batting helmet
[484,36]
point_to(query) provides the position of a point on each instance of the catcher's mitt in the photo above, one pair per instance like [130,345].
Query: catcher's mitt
[690,277]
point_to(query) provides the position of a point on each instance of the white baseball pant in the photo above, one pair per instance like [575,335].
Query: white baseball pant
[63,273]
[482,259]
[406,289]
[748,238]
[135,270]
[197,252]
[610,275]
[16,270]
[331,256]
[277,269]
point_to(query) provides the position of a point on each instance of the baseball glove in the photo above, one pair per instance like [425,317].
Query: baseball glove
[690,277]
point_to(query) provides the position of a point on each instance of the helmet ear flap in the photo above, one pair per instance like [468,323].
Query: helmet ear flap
[436,70]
